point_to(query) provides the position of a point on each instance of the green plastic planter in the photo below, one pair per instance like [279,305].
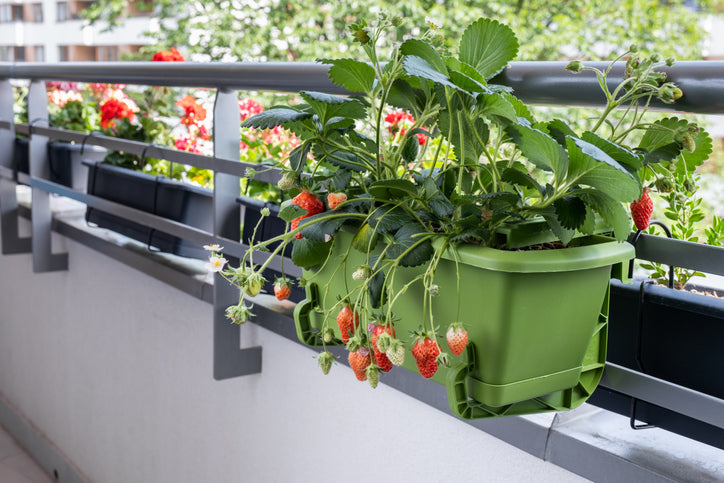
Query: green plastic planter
[537,320]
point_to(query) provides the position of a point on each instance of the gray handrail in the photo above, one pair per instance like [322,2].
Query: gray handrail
[546,83]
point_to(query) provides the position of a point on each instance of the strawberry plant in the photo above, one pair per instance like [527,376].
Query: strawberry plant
[432,155]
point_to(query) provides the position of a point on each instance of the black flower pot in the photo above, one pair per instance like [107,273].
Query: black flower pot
[171,199]
[672,335]
[66,163]
[65,160]
[21,155]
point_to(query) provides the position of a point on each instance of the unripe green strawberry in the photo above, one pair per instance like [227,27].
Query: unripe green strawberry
[688,143]
[383,341]
[641,210]
[328,335]
[288,181]
[664,184]
[362,36]
[361,273]
[253,284]
[325,360]
[690,185]
[373,375]
[396,352]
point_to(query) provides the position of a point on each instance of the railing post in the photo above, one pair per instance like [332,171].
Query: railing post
[229,359]
[11,241]
[41,219]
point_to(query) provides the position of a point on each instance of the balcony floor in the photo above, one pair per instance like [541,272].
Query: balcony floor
[16,466]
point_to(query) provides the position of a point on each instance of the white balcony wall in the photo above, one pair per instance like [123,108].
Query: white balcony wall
[114,367]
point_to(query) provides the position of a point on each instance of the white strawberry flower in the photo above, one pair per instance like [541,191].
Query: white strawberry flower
[434,24]
[216,264]
[213,248]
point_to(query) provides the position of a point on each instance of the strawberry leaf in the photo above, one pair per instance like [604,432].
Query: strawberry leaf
[353,75]
[328,106]
[307,253]
[540,149]
[316,228]
[425,51]
[497,105]
[488,46]
[571,212]
[275,117]
[611,211]
[418,67]
[288,211]
[409,248]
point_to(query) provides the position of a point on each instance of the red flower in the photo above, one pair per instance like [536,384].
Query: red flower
[187,144]
[249,107]
[113,109]
[193,111]
[397,120]
[172,55]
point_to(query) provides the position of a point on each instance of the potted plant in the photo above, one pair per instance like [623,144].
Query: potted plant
[68,109]
[145,183]
[450,209]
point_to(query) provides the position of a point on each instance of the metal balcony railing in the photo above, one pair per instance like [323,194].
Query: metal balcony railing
[535,82]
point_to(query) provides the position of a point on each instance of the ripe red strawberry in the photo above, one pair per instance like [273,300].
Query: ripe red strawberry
[359,361]
[457,338]
[428,368]
[381,358]
[425,351]
[347,322]
[335,199]
[309,202]
[641,210]
[282,289]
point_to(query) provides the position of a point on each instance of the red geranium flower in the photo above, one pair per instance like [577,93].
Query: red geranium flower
[249,107]
[187,144]
[172,55]
[113,109]
[397,120]
[193,111]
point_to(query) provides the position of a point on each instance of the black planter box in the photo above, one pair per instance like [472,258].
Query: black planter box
[21,155]
[680,341]
[271,226]
[65,160]
[171,199]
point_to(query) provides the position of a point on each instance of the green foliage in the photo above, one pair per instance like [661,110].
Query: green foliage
[290,31]
[75,115]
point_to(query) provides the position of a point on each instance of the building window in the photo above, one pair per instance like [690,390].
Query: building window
[6,14]
[7,53]
[62,12]
[17,13]
[38,12]
[63,53]
[107,53]
[39,53]
[19,54]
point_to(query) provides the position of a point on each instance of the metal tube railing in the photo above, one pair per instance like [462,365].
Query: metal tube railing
[546,83]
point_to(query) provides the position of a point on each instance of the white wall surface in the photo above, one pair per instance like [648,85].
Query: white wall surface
[115,368]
